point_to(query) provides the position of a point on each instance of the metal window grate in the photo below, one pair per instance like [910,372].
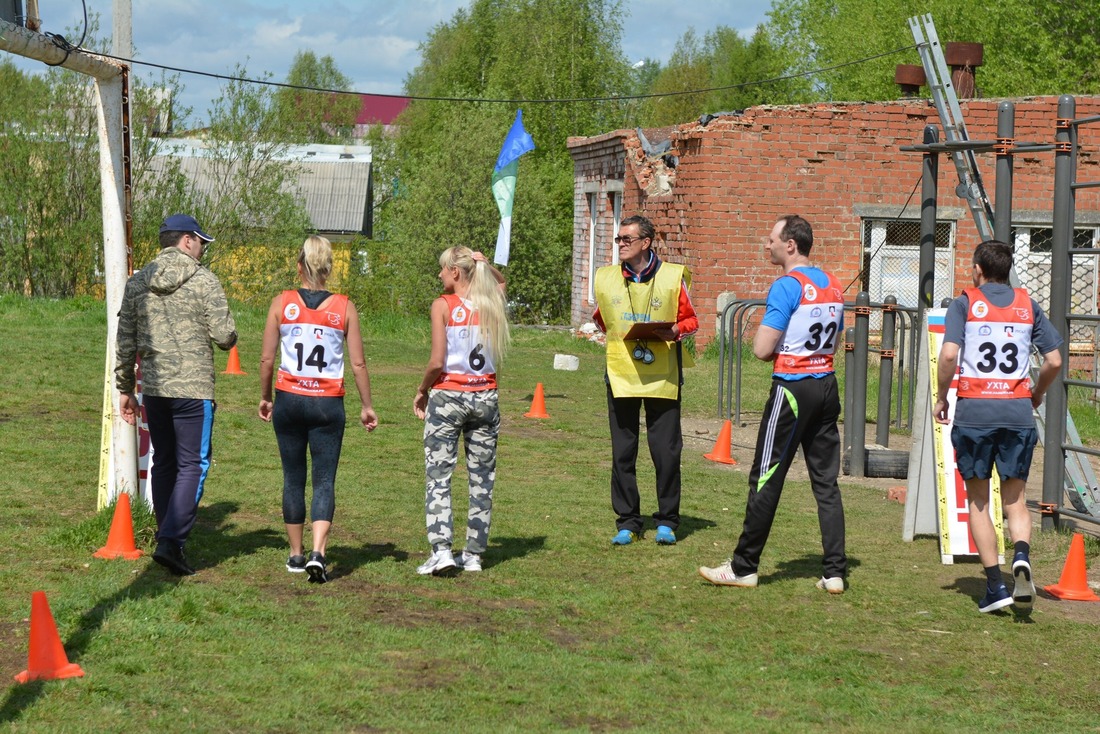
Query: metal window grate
[891,261]
[1032,263]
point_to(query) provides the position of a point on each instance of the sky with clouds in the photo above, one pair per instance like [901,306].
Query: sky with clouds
[373,42]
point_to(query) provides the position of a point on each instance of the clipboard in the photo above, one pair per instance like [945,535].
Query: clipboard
[645,329]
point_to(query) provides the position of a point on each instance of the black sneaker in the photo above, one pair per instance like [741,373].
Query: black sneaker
[315,567]
[296,564]
[170,555]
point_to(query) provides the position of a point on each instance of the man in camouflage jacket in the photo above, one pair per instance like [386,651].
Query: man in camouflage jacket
[172,310]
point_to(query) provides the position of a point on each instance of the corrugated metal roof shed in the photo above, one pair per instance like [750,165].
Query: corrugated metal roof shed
[336,185]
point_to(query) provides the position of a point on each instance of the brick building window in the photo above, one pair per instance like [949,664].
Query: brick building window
[593,223]
[891,261]
[1032,263]
[615,201]
[613,214]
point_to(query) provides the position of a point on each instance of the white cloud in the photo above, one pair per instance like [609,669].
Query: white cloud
[272,32]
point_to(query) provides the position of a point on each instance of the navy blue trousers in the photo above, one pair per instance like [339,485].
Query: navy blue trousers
[180,430]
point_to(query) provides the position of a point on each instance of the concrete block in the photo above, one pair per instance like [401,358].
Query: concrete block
[566,362]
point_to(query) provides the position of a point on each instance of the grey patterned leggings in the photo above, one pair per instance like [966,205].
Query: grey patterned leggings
[476,416]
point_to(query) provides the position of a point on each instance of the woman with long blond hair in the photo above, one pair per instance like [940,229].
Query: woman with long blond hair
[458,396]
[308,327]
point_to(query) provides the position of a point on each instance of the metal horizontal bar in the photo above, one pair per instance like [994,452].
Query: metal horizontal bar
[1081,449]
[1085,120]
[978,146]
[1085,185]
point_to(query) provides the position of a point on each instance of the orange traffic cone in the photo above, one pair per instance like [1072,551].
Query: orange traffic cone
[234,366]
[721,450]
[1072,585]
[538,405]
[120,541]
[46,659]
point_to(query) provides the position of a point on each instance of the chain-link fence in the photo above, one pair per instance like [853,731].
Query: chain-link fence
[1032,261]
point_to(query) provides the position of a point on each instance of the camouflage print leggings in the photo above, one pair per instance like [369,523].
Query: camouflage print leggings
[476,416]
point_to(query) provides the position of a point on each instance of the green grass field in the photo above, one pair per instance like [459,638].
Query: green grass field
[561,632]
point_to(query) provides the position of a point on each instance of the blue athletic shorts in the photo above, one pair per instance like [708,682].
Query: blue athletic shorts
[976,450]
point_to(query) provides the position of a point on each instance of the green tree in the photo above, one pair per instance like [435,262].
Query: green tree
[444,155]
[49,198]
[740,73]
[51,231]
[252,199]
[316,117]
[1030,48]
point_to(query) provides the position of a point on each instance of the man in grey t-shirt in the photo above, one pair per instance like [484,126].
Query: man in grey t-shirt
[988,335]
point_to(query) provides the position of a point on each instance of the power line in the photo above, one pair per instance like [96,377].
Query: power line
[566,100]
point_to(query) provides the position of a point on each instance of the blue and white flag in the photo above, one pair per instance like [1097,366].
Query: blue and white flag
[516,144]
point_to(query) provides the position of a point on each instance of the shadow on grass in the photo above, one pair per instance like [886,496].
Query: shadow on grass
[347,559]
[213,541]
[508,549]
[689,525]
[974,587]
[807,566]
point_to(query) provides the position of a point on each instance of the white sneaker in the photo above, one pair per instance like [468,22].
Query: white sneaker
[1023,593]
[724,576]
[470,561]
[439,562]
[833,584]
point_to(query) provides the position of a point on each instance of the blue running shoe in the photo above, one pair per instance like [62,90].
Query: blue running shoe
[665,536]
[995,599]
[623,537]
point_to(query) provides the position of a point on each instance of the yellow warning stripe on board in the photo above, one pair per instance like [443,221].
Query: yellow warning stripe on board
[105,469]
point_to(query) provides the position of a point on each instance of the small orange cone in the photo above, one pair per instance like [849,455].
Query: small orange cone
[46,659]
[538,405]
[721,450]
[120,541]
[1072,585]
[234,365]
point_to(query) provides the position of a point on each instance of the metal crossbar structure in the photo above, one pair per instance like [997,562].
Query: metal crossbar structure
[1074,477]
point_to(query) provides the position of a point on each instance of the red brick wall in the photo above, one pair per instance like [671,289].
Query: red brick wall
[739,174]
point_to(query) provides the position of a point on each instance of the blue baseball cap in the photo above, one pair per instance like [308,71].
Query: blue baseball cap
[184,223]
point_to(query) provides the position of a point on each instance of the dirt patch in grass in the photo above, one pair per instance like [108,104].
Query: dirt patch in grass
[13,647]
[1074,611]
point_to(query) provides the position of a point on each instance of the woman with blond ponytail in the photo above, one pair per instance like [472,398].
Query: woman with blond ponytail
[311,325]
[458,396]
